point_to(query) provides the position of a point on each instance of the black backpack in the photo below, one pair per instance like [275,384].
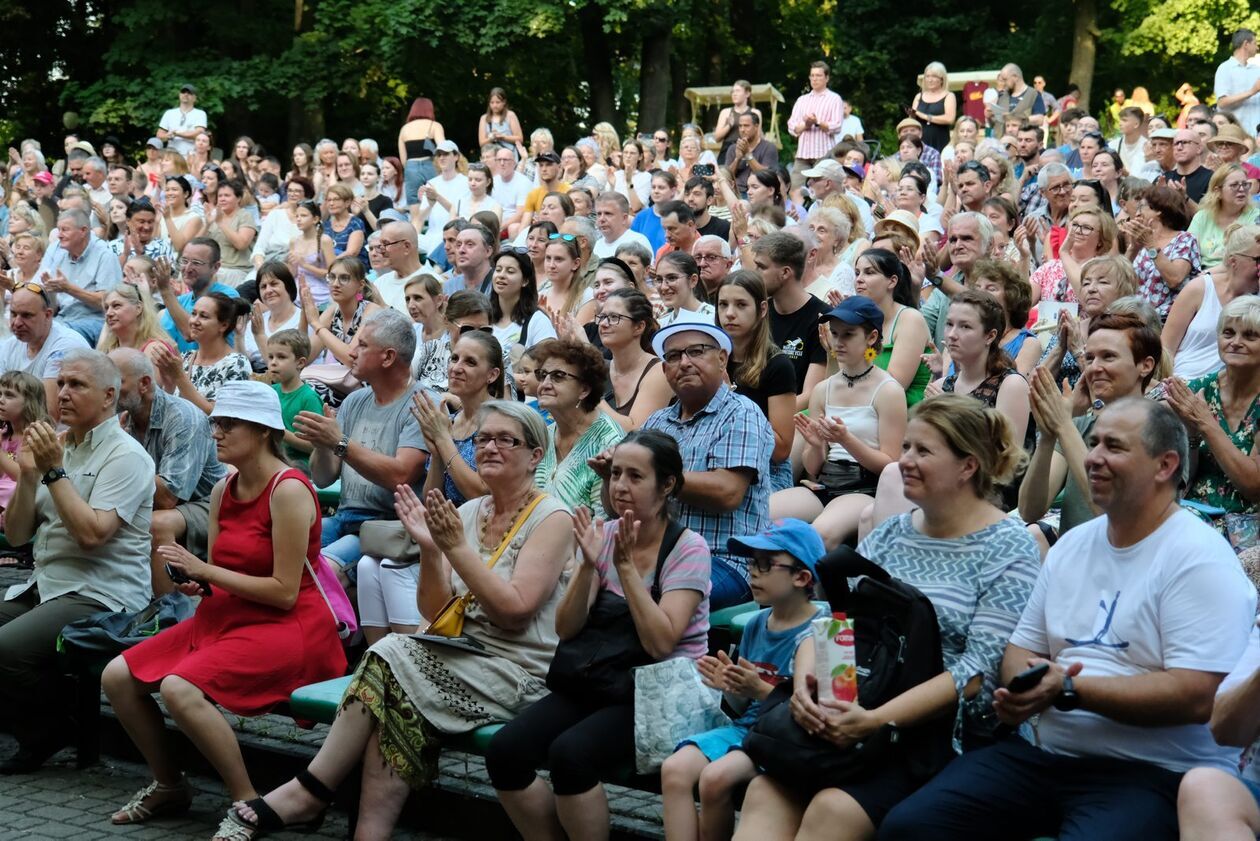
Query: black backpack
[898,643]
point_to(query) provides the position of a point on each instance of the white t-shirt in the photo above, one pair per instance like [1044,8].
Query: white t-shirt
[46,364]
[176,120]
[851,126]
[540,328]
[1233,77]
[252,350]
[394,289]
[452,190]
[641,182]
[1176,600]
[1241,674]
[510,194]
[705,312]
[603,248]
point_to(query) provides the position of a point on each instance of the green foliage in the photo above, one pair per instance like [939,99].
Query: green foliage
[355,65]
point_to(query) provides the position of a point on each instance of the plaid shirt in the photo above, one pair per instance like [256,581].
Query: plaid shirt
[729,433]
[179,442]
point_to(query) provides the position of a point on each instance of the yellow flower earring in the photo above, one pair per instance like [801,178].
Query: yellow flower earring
[870,355]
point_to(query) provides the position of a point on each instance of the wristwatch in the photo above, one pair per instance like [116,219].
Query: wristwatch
[53,475]
[1067,699]
[1151,252]
[340,450]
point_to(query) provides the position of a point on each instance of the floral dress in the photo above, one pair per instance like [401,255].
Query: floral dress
[1151,284]
[1211,485]
[208,379]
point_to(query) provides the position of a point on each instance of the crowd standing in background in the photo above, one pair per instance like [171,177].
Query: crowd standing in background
[613,384]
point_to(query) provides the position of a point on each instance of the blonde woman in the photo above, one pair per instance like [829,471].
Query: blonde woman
[831,228]
[1225,203]
[966,130]
[935,106]
[1001,176]
[131,321]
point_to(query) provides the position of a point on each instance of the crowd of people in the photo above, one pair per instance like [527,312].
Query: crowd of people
[624,383]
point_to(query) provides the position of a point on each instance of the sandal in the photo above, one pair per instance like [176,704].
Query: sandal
[155,801]
[236,827]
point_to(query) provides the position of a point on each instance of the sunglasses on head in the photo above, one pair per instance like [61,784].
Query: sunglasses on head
[565,237]
[468,328]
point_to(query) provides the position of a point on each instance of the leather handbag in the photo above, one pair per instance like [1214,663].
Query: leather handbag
[450,619]
[388,540]
[332,374]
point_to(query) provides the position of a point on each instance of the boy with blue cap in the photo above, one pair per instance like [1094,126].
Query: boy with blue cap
[783,571]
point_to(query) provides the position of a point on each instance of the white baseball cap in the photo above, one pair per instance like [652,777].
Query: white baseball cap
[249,400]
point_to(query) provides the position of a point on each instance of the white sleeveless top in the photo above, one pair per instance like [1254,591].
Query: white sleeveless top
[862,421]
[1198,355]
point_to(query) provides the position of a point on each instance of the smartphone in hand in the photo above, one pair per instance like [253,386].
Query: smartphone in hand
[1028,678]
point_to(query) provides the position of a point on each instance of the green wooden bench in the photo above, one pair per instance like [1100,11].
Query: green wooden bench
[330,495]
[739,622]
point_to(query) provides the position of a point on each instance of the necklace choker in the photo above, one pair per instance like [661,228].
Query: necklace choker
[850,380]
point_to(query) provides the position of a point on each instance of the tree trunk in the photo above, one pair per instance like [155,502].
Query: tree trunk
[596,52]
[1084,47]
[654,75]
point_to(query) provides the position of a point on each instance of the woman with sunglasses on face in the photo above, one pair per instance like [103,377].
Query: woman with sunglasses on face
[1226,203]
[676,277]
[636,380]
[514,312]
[571,380]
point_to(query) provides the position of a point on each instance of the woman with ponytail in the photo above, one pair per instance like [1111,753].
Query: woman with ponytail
[885,280]
[976,565]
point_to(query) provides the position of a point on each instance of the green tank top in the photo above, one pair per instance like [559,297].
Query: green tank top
[921,377]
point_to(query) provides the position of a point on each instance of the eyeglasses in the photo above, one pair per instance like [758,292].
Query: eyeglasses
[613,318]
[184,263]
[662,139]
[1083,229]
[673,357]
[386,243]
[340,279]
[224,425]
[708,258]
[557,377]
[469,328]
[671,278]
[976,167]
[565,237]
[502,441]
[1185,143]
[31,286]
[1060,188]
[765,565]
[141,203]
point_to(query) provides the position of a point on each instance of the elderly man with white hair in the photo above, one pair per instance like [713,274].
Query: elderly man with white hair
[969,239]
[80,270]
[86,503]
[714,257]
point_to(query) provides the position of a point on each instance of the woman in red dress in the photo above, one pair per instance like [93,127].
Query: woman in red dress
[262,630]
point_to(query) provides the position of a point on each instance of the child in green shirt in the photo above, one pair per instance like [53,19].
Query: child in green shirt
[287,352]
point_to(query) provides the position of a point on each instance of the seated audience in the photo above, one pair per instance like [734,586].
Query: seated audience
[38,342]
[1104,280]
[676,282]
[1226,203]
[580,736]
[713,760]
[198,264]
[1164,254]
[977,566]
[22,403]
[625,327]
[262,628]
[886,281]
[1090,233]
[79,269]
[287,354]
[86,503]
[176,435]
[851,433]
[372,444]
[407,692]
[202,371]
[1004,282]
[1221,410]
[1135,651]
[571,380]
[1190,331]
[276,309]
[514,312]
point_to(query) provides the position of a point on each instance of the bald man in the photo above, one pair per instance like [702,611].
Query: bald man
[402,253]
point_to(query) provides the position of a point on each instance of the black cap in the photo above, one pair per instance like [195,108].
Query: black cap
[188,89]
[548,158]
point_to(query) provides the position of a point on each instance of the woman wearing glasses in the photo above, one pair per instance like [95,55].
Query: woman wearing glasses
[407,692]
[1226,203]
[352,300]
[514,312]
[636,381]
[1190,333]
[1091,232]
[571,380]
[677,274]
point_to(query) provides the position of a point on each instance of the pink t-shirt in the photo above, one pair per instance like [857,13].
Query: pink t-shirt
[9,445]
[687,567]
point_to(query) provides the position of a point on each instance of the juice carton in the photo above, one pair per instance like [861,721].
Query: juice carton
[835,658]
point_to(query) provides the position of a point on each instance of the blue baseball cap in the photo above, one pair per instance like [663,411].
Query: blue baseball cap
[857,310]
[796,537]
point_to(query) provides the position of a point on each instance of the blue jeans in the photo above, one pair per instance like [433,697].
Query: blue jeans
[340,546]
[730,585]
[88,328]
[780,475]
[416,173]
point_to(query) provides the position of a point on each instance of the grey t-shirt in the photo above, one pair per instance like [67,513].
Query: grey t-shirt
[384,429]
[1075,508]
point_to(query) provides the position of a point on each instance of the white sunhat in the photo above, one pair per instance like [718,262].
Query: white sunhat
[690,325]
[249,400]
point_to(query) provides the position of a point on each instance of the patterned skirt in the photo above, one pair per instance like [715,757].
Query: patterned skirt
[417,691]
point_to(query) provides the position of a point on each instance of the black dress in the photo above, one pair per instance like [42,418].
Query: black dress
[934,135]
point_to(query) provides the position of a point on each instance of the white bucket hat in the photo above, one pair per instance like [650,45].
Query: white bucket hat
[249,400]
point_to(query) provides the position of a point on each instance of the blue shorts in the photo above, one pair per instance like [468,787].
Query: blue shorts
[1252,787]
[717,743]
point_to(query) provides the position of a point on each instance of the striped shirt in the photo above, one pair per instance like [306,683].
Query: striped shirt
[827,108]
[978,583]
